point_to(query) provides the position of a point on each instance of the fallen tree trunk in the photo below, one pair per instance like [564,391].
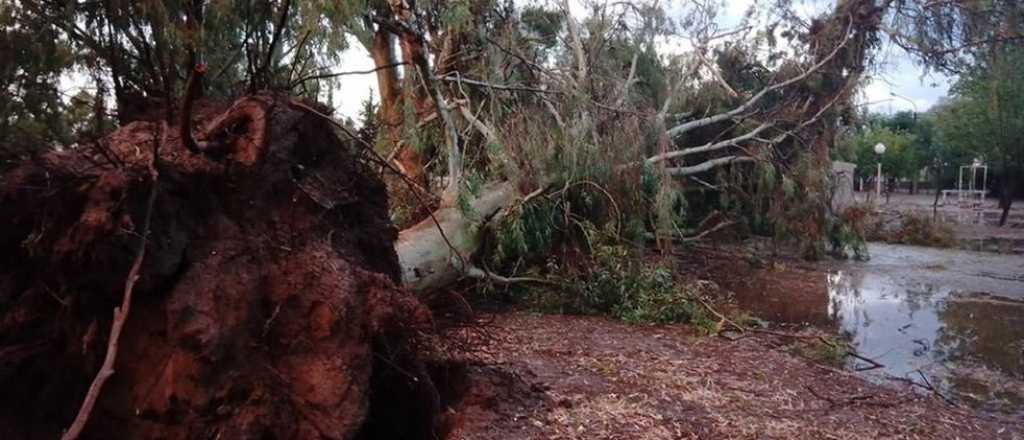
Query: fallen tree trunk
[266,306]
[436,251]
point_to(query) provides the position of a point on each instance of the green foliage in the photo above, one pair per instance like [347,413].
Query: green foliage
[471,189]
[526,232]
[848,231]
[458,16]
[902,158]
[31,108]
[545,24]
[986,115]
[614,279]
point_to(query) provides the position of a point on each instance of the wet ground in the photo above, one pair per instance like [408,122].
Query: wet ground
[948,319]
[568,377]
[953,318]
[975,226]
[917,311]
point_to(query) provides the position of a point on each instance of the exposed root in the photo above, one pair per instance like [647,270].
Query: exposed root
[266,305]
[120,313]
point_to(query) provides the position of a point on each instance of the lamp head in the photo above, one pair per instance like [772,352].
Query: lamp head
[879,148]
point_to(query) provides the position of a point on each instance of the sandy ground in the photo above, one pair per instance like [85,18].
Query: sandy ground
[560,377]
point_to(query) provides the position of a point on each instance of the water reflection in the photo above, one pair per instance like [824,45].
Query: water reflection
[973,345]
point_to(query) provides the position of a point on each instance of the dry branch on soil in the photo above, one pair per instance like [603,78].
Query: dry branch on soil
[121,313]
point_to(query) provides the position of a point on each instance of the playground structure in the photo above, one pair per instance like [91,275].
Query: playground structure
[971,196]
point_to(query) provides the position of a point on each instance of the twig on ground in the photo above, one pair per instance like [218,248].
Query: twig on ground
[720,316]
[853,353]
[120,313]
[928,385]
[476,272]
[857,399]
[849,351]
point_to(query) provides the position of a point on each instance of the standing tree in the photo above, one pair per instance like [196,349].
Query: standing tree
[31,108]
[986,117]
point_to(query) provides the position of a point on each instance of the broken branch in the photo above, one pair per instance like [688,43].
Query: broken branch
[120,313]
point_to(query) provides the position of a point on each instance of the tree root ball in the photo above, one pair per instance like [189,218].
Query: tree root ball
[267,304]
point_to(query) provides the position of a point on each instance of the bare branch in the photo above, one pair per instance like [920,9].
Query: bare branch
[120,313]
[701,235]
[192,89]
[478,273]
[282,22]
[717,75]
[329,75]
[707,166]
[683,128]
[577,44]
[711,146]
[483,128]
[460,79]
[629,80]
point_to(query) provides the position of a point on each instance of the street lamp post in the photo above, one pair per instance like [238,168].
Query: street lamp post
[879,150]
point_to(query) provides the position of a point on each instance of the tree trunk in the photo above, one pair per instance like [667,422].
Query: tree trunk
[413,158]
[1005,199]
[387,86]
[431,259]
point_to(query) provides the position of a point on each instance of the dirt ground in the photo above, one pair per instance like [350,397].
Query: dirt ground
[977,223]
[562,377]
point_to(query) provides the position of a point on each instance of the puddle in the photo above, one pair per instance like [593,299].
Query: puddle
[969,346]
[916,311]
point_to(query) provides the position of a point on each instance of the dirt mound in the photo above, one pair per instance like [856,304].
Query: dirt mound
[266,306]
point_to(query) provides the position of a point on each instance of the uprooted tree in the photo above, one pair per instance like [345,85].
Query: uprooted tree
[266,299]
[266,304]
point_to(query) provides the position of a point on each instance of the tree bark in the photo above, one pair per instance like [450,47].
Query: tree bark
[383,55]
[437,250]
[1006,199]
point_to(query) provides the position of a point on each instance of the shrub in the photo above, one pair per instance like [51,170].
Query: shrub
[849,231]
[913,229]
[614,279]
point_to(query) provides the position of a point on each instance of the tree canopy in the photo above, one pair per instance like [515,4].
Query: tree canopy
[985,117]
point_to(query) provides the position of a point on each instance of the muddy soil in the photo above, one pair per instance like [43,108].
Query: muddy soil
[562,377]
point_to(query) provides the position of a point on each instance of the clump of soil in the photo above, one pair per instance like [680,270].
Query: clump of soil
[266,305]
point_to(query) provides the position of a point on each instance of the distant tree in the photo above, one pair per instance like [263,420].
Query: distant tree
[986,117]
[31,108]
[901,158]
[955,36]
